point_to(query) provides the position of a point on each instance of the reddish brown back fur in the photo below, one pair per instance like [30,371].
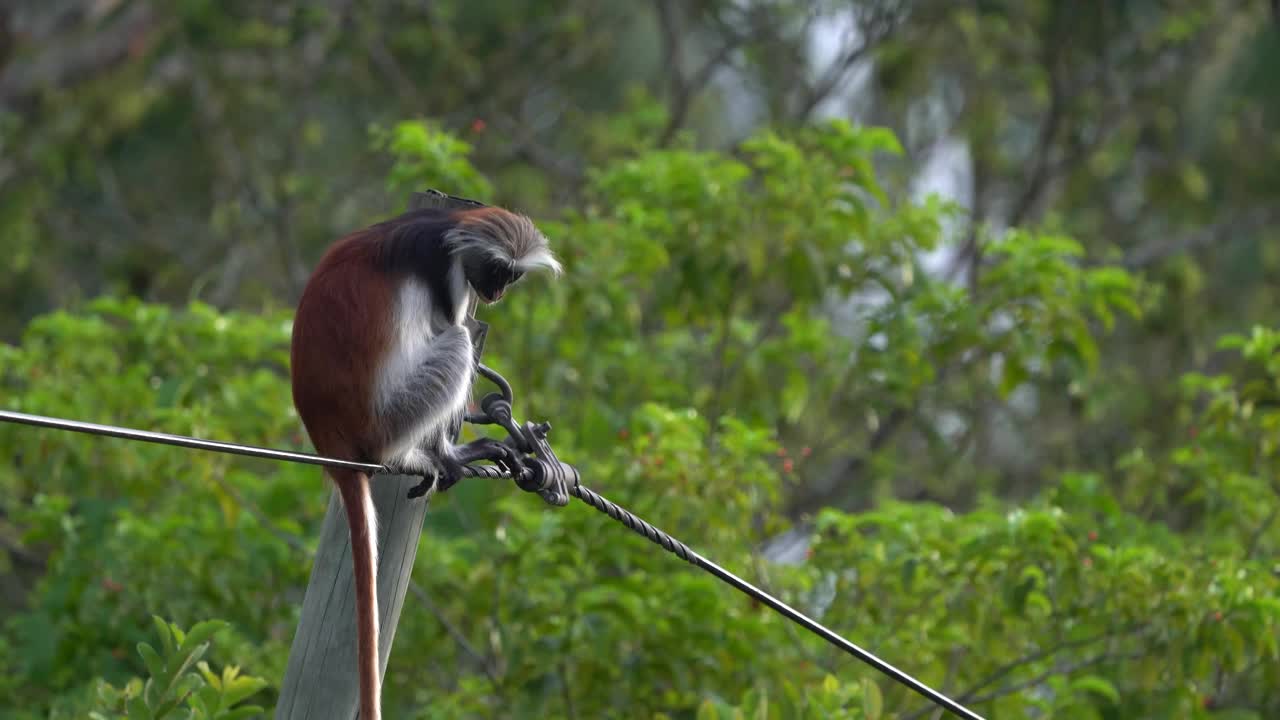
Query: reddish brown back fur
[480,213]
[346,304]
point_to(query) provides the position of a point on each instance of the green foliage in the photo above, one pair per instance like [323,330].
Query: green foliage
[127,527]
[658,260]
[828,699]
[701,360]
[425,156]
[181,678]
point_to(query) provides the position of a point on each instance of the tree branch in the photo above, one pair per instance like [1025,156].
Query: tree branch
[63,62]
[524,145]
[1156,250]
[684,90]
[465,645]
[1069,669]
[1010,667]
[1038,179]
[874,30]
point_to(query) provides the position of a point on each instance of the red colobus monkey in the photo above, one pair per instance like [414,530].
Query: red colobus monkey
[382,364]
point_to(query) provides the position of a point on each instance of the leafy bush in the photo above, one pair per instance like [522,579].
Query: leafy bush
[173,683]
[699,360]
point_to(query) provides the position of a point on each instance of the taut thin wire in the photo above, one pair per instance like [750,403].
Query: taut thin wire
[182,441]
[594,499]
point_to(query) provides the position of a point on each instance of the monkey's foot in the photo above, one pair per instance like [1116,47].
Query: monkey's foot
[419,463]
[450,473]
[422,488]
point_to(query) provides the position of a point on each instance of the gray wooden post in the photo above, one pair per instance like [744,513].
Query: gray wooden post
[320,680]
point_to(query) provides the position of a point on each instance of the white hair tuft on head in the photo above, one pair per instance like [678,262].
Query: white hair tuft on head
[506,236]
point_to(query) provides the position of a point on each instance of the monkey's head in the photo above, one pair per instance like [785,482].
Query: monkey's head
[496,248]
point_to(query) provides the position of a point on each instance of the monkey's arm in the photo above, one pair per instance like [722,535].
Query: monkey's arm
[431,393]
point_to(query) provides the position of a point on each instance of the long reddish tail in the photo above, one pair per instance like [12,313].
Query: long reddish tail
[358,501]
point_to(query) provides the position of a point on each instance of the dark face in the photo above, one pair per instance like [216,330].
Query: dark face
[490,277]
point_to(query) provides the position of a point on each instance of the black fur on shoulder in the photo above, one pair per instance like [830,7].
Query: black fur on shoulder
[414,242]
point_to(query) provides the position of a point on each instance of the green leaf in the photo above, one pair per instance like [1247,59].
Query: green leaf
[201,633]
[1097,686]
[138,710]
[1015,374]
[795,395]
[872,701]
[166,636]
[1195,182]
[155,665]
[239,688]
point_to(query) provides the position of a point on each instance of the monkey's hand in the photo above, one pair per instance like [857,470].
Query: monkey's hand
[498,452]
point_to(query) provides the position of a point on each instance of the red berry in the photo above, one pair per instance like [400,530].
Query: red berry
[624,433]
[478,125]
[805,451]
[787,465]
[1093,535]
[1088,562]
